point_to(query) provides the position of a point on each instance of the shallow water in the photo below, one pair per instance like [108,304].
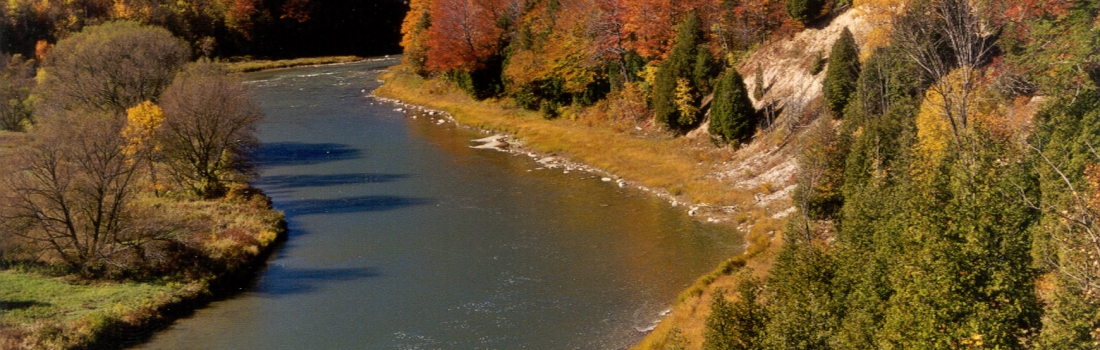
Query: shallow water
[403,237]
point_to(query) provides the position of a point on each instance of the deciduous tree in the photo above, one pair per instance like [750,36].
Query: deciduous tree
[209,127]
[111,67]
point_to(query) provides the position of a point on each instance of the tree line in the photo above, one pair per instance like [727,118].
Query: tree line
[269,28]
[555,56]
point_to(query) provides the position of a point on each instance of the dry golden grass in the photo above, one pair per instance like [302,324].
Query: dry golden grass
[249,65]
[662,163]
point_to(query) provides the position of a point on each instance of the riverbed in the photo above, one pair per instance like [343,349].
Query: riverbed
[402,236]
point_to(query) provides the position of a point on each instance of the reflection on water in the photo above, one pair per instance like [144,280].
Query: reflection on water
[403,237]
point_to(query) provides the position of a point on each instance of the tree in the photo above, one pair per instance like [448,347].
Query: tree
[679,65]
[805,11]
[209,127]
[843,73]
[414,35]
[732,115]
[945,36]
[735,325]
[111,67]
[71,195]
[16,81]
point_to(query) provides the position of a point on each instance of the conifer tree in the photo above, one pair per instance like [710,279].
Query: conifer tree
[840,80]
[679,64]
[732,115]
[805,11]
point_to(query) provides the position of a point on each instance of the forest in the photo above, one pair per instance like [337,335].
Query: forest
[221,28]
[948,186]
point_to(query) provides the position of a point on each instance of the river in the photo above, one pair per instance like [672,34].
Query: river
[403,237]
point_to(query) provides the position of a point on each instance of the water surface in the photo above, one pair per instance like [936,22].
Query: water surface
[403,237]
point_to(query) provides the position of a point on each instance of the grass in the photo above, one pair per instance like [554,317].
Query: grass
[39,311]
[250,65]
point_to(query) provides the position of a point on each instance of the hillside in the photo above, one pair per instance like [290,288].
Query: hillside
[931,161]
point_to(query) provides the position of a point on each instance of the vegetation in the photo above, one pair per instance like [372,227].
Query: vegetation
[732,116]
[805,11]
[894,242]
[843,70]
[250,65]
[92,241]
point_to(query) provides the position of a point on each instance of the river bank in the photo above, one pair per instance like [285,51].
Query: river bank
[45,307]
[686,172]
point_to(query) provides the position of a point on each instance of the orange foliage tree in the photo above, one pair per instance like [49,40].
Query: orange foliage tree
[464,34]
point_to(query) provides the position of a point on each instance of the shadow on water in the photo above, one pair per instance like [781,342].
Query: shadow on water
[297,153]
[348,205]
[279,182]
[282,281]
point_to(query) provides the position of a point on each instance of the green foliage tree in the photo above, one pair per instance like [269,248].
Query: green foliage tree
[802,312]
[210,123]
[111,67]
[734,325]
[843,72]
[805,11]
[680,64]
[732,115]
[16,82]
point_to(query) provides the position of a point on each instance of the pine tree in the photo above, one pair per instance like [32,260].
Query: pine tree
[679,64]
[732,115]
[840,80]
[805,11]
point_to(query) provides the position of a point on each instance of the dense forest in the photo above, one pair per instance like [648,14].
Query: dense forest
[267,28]
[948,194]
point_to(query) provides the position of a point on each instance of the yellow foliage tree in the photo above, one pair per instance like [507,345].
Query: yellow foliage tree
[880,14]
[414,34]
[685,97]
[142,121]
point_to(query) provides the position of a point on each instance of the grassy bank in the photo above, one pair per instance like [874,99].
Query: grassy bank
[220,243]
[670,164]
[683,168]
[250,65]
[43,307]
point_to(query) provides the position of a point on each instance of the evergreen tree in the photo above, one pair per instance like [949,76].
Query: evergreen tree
[736,325]
[805,11]
[732,115]
[840,80]
[758,83]
[680,64]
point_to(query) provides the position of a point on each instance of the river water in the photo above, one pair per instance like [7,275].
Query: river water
[403,237]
